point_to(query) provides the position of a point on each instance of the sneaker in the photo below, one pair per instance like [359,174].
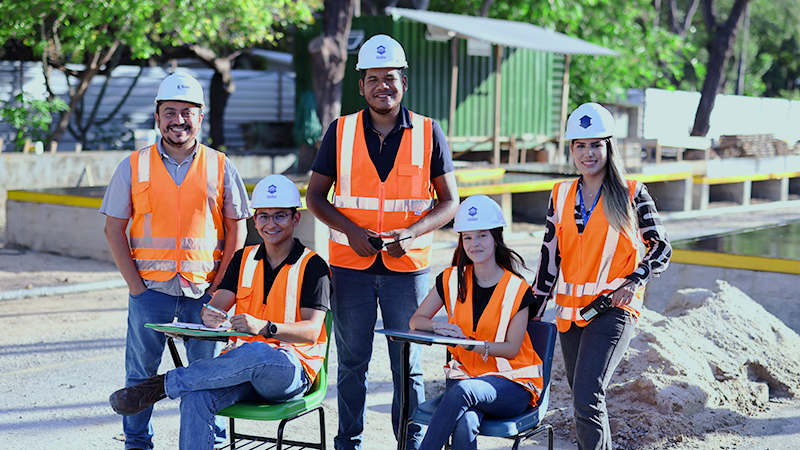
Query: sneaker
[135,399]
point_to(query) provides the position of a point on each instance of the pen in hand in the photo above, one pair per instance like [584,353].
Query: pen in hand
[217,310]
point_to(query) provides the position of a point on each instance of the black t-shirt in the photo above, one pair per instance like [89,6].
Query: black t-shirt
[481,297]
[383,156]
[316,290]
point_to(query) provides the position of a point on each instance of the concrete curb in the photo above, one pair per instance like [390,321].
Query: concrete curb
[48,291]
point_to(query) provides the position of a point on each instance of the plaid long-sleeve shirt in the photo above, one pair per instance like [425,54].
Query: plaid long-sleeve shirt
[651,230]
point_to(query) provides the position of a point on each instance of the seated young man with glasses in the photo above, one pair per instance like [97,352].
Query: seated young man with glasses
[281,291]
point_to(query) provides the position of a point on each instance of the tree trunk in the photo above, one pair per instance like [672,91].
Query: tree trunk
[328,57]
[222,86]
[720,50]
[92,68]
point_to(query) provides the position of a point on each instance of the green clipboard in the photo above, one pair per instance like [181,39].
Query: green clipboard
[195,333]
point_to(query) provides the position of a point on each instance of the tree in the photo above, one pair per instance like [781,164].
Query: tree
[720,49]
[648,55]
[217,32]
[328,57]
[87,32]
[91,32]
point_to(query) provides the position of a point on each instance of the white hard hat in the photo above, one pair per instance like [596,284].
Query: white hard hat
[181,87]
[381,51]
[590,120]
[478,212]
[275,191]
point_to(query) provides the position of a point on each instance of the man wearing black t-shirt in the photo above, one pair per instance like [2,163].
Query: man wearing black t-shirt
[281,290]
[385,164]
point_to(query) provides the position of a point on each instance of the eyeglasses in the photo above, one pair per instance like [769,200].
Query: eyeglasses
[187,114]
[279,218]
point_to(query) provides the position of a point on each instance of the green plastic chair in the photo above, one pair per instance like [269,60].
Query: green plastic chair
[285,412]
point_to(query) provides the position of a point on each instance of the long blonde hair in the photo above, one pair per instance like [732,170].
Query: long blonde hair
[617,204]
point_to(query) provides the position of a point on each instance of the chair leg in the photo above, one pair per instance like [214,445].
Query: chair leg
[232,434]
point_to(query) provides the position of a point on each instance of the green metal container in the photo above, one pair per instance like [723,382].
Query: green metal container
[531,83]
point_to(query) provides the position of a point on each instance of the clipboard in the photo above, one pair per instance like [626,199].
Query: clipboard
[200,331]
[426,338]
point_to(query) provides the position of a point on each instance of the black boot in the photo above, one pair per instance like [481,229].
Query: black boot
[135,399]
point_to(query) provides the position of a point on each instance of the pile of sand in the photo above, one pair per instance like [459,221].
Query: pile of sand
[706,362]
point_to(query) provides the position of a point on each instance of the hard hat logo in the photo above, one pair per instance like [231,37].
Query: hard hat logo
[473,211]
[272,189]
[586,122]
[381,50]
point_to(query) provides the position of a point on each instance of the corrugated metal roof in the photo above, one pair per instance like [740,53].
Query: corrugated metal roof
[504,32]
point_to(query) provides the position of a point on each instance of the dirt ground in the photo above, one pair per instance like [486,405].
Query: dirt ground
[61,356]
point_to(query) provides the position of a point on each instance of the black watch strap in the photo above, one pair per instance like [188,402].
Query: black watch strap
[271,329]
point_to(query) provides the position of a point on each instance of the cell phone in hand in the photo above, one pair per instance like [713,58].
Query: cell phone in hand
[598,306]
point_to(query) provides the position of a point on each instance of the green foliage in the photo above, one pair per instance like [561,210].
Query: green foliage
[30,117]
[647,56]
[224,26]
[69,30]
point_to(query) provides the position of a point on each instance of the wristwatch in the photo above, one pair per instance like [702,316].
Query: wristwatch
[270,329]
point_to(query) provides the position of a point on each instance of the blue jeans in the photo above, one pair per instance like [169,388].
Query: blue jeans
[463,406]
[356,296]
[591,354]
[254,371]
[144,347]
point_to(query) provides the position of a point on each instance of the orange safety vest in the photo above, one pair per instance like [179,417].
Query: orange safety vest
[524,369]
[177,229]
[282,305]
[405,197]
[593,263]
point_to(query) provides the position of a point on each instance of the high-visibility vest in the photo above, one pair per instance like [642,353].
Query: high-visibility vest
[282,305]
[177,229]
[405,197]
[593,263]
[524,369]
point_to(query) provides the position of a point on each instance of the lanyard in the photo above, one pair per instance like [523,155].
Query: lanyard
[584,213]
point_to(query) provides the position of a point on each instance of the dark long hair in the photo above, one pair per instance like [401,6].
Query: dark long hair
[505,257]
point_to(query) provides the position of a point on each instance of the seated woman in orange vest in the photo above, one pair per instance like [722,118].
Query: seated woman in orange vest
[597,229]
[486,299]
[281,290]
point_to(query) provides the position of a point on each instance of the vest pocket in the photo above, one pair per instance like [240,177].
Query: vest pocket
[409,170]
[141,197]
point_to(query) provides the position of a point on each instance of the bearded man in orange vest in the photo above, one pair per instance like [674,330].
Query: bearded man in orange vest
[386,163]
[186,205]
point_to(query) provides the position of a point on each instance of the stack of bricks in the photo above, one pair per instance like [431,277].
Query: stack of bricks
[753,145]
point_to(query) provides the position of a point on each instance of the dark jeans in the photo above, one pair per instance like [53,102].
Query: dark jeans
[356,296]
[591,354]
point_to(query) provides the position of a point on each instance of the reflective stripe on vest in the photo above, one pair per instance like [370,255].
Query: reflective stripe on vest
[171,242]
[526,368]
[401,200]
[284,304]
[574,291]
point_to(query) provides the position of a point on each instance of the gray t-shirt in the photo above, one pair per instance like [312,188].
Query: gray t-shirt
[117,203]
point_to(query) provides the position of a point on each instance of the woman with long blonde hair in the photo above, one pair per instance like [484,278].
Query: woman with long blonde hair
[593,263]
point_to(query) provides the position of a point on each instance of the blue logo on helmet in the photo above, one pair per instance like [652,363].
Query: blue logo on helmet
[272,189]
[381,50]
[472,211]
[585,122]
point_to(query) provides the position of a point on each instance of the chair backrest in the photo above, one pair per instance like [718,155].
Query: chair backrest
[543,339]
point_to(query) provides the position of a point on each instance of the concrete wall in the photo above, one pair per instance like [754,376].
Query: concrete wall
[774,291]
[78,232]
[63,169]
